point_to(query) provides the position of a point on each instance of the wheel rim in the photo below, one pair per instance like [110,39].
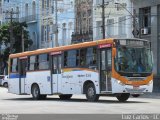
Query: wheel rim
[35,92]
[5,85]
[90,92]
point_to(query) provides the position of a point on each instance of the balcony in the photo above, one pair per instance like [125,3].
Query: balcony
[29,19]
[78,38]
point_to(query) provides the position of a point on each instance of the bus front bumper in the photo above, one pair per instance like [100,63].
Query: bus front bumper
[118,87]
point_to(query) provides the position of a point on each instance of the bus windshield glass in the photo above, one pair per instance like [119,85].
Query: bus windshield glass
[133,60]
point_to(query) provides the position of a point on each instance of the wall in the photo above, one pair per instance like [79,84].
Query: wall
[114,12]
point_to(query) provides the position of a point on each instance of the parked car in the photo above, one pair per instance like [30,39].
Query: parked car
[4,80]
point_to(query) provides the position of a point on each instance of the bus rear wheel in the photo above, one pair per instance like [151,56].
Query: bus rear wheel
[65,96]
[91,93]
[122,97]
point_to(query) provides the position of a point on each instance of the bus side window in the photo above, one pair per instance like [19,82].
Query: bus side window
[31,63]
[77,57]
[14,65]
[83,56]
[70,58]
[43,62]
[65,58]
[91,57]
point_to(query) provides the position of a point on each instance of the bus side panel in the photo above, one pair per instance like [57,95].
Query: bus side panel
[73,81]
[42,78]
[94,77]
[13,85]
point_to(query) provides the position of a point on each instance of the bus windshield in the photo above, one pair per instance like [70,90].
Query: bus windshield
[133,60]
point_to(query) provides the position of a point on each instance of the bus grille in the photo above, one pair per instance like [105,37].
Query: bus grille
[135,90]
[136,78]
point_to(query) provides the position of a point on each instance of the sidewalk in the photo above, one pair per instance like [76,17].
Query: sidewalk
[154,95]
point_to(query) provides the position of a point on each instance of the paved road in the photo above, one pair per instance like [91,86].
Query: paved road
[10,103]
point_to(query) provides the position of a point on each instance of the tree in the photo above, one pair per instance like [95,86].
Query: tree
[17,36]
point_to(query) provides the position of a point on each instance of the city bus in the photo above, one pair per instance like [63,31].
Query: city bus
[118,67]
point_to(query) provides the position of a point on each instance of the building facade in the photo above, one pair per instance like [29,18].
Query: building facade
[46,23]
[83,21]
[1,12]
[24,11]
[118,17]
[148,12]
[66,17]
[64,26]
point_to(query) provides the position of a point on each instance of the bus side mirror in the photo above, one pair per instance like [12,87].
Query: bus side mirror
[114,52]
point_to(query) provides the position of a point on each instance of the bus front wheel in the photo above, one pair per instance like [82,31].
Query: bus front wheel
[135,95]
[36,93]
[91,93]
[122,97]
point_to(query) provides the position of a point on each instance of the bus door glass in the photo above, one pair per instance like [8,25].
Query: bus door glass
[105,69]
[56,73]
[22,73]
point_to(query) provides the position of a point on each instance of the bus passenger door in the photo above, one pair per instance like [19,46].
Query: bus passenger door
[56,73]
[22,74]
[105,69]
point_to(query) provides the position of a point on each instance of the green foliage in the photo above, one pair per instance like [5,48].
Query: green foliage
[17,37]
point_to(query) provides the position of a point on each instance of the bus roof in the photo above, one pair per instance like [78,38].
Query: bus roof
[62,48]
[70,47]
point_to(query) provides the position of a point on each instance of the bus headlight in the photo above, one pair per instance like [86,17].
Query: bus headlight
[119,82]
[150,82]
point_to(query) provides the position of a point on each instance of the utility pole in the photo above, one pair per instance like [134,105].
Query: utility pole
[56,19]
[103,19]
[22,40]
[12,41]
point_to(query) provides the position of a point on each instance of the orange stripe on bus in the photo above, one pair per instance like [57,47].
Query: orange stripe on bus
[63,48]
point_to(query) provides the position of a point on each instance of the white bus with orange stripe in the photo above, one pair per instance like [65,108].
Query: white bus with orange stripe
[120,67]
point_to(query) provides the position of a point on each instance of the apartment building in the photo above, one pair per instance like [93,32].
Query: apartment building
[118,18]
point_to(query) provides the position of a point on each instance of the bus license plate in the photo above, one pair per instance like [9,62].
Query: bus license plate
[135,87]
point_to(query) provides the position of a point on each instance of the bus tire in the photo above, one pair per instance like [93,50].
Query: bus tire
[35,92]
[43,97]
[135,95]
[5,85]
[65,96]
[122,97]
[91,93]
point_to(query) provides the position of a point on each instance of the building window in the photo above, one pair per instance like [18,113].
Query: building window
[122,26]
[145,20]
[99,29]
[17,10]
[64,35]
[110,27]
[26,10]
[70,30]
[33,8]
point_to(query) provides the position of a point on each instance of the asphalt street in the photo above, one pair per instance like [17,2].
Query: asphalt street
[23,104]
